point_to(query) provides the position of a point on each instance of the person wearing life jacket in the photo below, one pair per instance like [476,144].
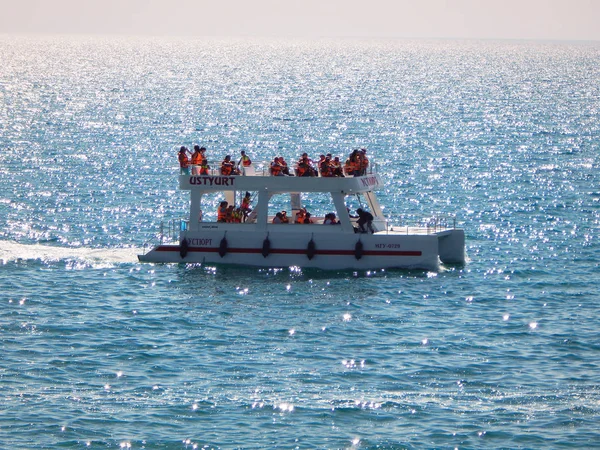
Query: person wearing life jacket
[336,167]
[227,167]
[222,212]
[276,168]
[204,167]
[304,167]
[196,161]
[353,164]
[229,214]
[300,216]
[325,167]
[284,167]
[244,161]
[184,161]
[237,215]
[245,207]
[284,217]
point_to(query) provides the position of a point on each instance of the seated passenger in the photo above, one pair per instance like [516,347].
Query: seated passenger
[277,218]
[300,216]
[238,215]
[229,214]
[275,168]
[222,212]
[336,167]
[285,170]
[305,168]
[326,167]
[330,219]
[353,166]
[284,217]
[228,167]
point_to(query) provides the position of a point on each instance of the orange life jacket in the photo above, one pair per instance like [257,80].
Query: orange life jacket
[226,168]
[222,214]
[275,169]
[196,158]
[183,160]
[246,161]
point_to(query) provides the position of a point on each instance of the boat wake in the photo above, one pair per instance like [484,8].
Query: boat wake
[94,257]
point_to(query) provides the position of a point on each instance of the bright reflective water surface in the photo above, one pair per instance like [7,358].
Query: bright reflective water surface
[99,351]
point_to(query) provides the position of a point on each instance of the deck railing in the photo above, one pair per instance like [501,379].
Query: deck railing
[262,169]
[428,225]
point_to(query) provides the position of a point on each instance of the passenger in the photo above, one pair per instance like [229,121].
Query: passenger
[326,167]
[222,212]
[353,164]
[365,221]
[330,219]
[284,217]
[229,214]
[204,167]
[227,167]
[284,167]
[197,161]
[336,167]
[184,161]
[277,218]
[275,168]
[307,218]
[244,161]
[238,215]
[245,208]
[300,216]
[305,167]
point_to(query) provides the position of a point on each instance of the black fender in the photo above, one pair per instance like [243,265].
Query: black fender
[358,250]
[311,249]
[266,248]
[183,248]
[223,247]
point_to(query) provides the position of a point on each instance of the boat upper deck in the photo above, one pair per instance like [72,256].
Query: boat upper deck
[259,179]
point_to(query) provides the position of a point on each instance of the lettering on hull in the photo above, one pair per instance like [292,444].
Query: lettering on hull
[212,181]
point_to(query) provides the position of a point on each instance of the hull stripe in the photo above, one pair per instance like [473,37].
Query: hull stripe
[290,251]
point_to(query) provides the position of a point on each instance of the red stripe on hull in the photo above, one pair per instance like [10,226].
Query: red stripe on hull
[291,251]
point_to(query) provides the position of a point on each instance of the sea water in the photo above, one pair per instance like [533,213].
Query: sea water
[100,351]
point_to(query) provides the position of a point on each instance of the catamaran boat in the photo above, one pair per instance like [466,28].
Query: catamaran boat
[257,241]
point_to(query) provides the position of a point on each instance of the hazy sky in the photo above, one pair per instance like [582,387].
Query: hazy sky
[504,19]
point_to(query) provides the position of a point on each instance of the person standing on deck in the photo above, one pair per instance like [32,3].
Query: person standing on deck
[203,162]
[196,161]
[184,161]
[365,221]
[245,207]
[243,162]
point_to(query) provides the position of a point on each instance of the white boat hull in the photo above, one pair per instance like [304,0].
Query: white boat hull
[330,251]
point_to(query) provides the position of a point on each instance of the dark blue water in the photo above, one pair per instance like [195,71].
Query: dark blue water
[99,351]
